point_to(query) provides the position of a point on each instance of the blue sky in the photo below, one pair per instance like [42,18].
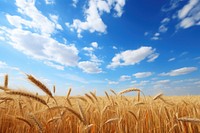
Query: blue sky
[102,44]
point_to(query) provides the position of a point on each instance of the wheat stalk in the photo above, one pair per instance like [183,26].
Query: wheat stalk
[68,93]
[24,120]
[6,81]
[157,96]
[40,85]
[27,94]
[87,95]
[128,90]
[54,89]
[113,92]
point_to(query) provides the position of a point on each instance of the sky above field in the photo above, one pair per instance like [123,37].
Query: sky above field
[102,44]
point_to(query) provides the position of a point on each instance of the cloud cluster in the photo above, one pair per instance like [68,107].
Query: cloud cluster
[93,21]
[93,65]
[32,35]
[189,15]
[132,57]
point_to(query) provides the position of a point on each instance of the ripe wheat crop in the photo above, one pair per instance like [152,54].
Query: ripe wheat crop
[25,112]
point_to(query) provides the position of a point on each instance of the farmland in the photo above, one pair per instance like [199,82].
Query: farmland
[22,111]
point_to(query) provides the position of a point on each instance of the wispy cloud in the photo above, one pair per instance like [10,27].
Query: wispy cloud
[132,57]
[125,78]
[4,65]
[142,74]
[113,82]
[180,71]
[51,64]
[114,47]
[49,2]
[171,59]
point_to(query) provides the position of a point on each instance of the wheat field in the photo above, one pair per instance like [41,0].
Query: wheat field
[25,112]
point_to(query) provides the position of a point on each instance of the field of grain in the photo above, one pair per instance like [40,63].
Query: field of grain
[25,112]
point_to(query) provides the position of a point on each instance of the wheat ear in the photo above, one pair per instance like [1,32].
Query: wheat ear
[40,85]
[27,94]
[128,90]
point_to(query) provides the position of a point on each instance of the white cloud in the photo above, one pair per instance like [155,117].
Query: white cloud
[125,78]
[59,67]
[157,34]
[118,7]
[32,19]
[183,53]
[180,71]
[94,44]
[42,47]
[141,84]
[165,20]
[187,8]
[173,4]
[113,82]
[131,57]
[114,47]
[189,15]
[49,2]
[162,29]
[32,36]
[93,21]
[3,64]
[133,82]
[103,6]
[155,38]
[197,83]
[142,74]
[171,59]
[54,18]
[74,3]
[90,53]
[88,49]
[162,82]
[152,57]
[89,67]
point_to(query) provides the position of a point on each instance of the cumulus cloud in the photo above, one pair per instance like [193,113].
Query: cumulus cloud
[132,57]
[142,74]
[42,47]
[89,67]
[32,19]
[93,21]
[125,78]
[180,71]
[31,35]
[94,44]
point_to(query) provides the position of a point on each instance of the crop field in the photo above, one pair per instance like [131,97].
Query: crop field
[26,112]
